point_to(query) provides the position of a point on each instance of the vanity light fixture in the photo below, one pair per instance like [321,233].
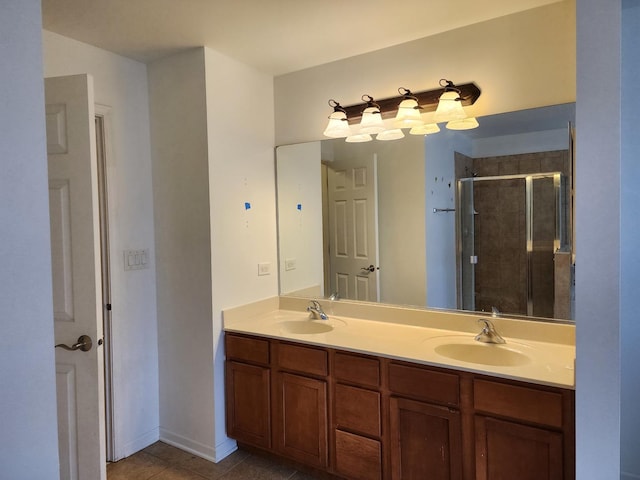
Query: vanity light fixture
[359,138]
[409,112]
[426,129]
[463,124]
[359,122]
[393,134]
[338,125]
[450,103]
[371,121]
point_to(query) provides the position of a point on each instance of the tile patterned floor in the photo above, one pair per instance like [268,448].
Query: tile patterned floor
[164,462]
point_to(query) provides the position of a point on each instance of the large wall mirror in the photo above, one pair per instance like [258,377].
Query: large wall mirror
[477,220]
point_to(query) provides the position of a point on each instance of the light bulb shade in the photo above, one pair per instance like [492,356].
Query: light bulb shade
[426,129]
[449,108]
[394,134]
[371,121]
[464,124]
[408,114]
[338,126]
[359,138]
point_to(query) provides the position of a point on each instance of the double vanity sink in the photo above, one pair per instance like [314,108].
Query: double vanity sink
[375,392]
[538,352]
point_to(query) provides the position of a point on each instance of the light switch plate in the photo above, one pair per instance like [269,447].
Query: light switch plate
[136,259]
[264,269]
[290,264]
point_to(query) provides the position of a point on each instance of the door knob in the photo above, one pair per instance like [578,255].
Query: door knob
[370,268]
[84,343]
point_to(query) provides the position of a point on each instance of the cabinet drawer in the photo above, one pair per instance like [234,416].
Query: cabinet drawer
[518,402]
[425,384]
[358,458]
[303,359]
[355,369]
[247,349]
[357,409]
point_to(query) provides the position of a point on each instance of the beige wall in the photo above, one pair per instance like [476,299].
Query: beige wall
[519,61]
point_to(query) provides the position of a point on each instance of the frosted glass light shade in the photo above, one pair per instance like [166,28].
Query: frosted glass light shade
[371,121]
[426,129]
[449,108]
[359,138]
[408,114]
[464,124]
[338,126]
[394,134]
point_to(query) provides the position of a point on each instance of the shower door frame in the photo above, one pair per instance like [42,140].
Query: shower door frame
[559,242]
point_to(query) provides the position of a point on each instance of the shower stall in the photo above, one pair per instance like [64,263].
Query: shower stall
[514,253]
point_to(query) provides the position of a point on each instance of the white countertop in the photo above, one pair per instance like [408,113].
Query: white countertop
[425,339]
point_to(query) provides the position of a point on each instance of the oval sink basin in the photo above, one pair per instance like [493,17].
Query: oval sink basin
[302,327]
[483,353]
[309,327]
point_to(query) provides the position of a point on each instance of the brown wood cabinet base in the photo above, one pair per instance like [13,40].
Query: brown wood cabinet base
[362,417]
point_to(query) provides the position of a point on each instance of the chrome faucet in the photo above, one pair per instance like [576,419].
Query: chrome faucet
[488,333]
[315,311]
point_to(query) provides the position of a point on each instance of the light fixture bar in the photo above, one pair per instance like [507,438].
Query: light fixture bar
[427,100]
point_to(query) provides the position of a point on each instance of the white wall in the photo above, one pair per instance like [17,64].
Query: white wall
[542,141]
[440,187]
[401,204]
[29,433]
[205,167]
[240,131]
[598,230]
[181,211]
[519,61]
[300,229]
[401,234]
[629,256]
[121,85]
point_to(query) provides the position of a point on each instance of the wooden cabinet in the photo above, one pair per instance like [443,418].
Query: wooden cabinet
[357,417]
[363,417]
[506,450]
[426,430]
[301,403]
[523,432]
[248,395]
[301,416]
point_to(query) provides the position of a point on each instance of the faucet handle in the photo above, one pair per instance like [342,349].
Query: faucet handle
[488,333]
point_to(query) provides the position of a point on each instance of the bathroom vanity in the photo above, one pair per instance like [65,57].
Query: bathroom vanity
[347,398]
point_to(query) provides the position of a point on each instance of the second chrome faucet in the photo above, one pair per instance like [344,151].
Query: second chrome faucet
[315,311]
[488,333]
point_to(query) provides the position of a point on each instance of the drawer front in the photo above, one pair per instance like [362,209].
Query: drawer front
[248,349]
[357,409]
[518,402]
[303,359]
[352,368]
[358,458]
[424,384]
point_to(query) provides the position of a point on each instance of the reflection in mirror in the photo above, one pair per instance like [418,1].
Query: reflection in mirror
[476,220]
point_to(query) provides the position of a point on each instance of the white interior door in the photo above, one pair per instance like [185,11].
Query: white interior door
[353,225]
[77,298]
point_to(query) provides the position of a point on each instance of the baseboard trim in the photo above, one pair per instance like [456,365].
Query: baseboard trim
[213,454]
[140,443]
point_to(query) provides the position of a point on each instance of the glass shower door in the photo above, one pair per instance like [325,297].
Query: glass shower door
[509,229]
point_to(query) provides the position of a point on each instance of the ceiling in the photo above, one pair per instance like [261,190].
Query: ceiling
[273,36]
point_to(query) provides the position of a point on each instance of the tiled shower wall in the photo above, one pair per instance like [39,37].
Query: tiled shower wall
[500,231]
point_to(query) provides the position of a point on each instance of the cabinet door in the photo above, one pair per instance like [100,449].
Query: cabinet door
[426,441]
[508,450]
[248,403]
[301,419]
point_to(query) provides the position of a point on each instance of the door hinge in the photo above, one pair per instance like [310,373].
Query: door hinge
[108,307]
